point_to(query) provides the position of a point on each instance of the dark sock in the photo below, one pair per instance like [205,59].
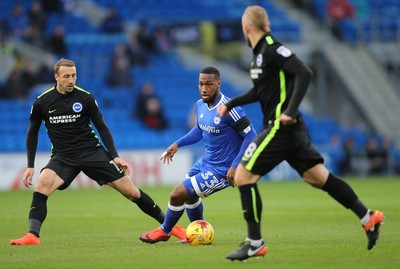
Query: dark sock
[359,208]
[252,208]
[148,206]
[344,194]
[37,213]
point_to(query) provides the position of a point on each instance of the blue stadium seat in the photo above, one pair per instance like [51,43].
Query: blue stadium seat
[174,83]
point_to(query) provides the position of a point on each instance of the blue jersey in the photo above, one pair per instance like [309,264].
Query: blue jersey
[221,137]
[225,141]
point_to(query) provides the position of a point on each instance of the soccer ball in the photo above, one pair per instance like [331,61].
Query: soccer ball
[199,232]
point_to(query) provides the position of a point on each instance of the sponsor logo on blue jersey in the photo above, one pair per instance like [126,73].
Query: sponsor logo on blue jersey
[209,129]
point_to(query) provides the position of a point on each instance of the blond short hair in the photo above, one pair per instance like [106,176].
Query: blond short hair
[62,62]
[257,18]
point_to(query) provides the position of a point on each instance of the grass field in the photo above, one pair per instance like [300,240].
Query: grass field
[303,228]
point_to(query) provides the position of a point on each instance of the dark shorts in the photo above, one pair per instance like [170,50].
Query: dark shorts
[96,164]
[283,143]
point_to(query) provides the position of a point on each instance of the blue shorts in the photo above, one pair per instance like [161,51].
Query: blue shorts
[203,181]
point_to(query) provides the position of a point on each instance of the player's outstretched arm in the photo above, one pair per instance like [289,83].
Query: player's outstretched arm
[169,153]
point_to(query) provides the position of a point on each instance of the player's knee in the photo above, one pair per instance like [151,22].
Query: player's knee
[178,195]
[42,186]
[315,182]
[316,176]
[133,194]
[244,177]
[47,185]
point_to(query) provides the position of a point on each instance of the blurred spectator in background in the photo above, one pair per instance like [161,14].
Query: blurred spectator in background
[377,156]
[137,55]
[112,23]
[148,108]
[52,5]
[120,74]
[346,165]
[120,71]
[163,41]
[154,117]
[45,73]
[338,10]
[29,74]
[120,51]
[18,22]
[15,87]
[37,16]
[146,39]
[56,42]
[146,92]
[34,36]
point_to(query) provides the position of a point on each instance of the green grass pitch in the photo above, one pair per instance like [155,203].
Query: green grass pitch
[303,228]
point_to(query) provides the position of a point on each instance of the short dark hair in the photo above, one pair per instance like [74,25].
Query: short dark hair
[211,70]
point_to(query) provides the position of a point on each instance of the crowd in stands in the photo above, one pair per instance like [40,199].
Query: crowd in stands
[30,25]
[356,21]
[375,157]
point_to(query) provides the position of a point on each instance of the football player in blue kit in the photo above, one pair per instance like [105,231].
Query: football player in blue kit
[225,140]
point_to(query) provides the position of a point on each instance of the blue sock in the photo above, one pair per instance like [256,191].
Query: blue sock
[174,213]
[195,211]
